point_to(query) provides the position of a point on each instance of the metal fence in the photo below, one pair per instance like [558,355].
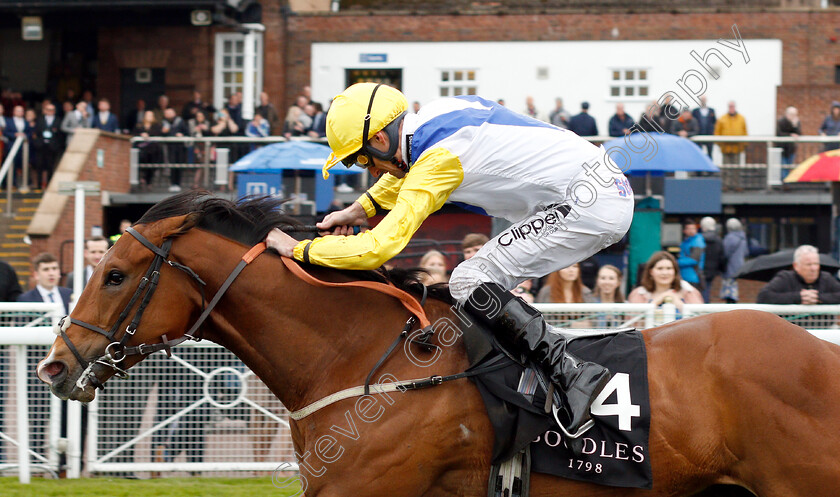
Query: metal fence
[202,411]
[30,417]
[821,320]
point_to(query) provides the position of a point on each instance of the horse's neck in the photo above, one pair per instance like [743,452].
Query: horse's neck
[302,341]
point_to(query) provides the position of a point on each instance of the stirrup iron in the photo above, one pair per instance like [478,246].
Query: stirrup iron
[583,429]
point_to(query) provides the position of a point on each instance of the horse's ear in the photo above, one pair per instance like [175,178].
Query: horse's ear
[189,222]
[173,226]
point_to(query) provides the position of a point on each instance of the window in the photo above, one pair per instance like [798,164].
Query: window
[629,83]
[454,82]
[230,66]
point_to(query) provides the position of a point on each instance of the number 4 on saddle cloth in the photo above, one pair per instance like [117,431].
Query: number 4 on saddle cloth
[613,452]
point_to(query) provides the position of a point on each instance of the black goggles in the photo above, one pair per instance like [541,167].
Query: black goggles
[362,158]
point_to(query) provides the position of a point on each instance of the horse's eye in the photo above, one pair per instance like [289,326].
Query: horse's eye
[114,278]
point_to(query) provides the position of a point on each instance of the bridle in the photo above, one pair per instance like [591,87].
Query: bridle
[117,351]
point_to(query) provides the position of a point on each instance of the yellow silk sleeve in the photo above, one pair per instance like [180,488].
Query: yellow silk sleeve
[429,182]
[384,192]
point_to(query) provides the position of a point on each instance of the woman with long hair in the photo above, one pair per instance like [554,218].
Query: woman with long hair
[608,291]
[565,287]
[608,285]
[661,283]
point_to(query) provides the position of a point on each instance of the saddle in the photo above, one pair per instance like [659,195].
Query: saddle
[613,452]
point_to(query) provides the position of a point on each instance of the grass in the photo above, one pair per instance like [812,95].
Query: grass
[164,487]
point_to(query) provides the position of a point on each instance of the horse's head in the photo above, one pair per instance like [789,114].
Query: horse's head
[136,295]
[140,297]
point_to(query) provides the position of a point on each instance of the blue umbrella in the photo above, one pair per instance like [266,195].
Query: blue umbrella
[649,154]
[658,152]
[295,155]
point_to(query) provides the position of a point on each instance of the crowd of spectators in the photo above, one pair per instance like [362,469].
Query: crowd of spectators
[49,125]
[709,254]
[685,122]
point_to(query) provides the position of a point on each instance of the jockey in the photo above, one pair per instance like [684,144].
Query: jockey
[566,200]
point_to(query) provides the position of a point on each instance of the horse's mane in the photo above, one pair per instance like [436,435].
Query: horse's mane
[250,220]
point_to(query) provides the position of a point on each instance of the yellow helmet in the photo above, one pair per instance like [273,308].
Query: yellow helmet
[362,109]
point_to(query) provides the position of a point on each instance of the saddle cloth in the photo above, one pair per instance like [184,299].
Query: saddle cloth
[614,451]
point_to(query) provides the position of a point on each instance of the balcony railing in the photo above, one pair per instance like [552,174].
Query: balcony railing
[759,167]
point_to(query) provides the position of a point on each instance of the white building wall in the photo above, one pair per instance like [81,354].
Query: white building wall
[576,71]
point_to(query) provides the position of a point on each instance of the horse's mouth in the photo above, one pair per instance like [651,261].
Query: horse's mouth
[64,383]
[86,394]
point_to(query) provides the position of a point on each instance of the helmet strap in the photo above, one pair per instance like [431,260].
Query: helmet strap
[393,132]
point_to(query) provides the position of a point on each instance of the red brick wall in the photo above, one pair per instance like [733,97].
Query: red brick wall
[809,52]
[275,56]
[113,177]
[189,58]
[541,6]
[810,46]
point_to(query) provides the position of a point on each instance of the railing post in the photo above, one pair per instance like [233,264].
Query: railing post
[669,313]
[92,432]
[650,317]
[54,431]
[9,164]
[774,166]
[10,177]
[54,426]
[206,166]
[24,180]
[24,469]
[222,158]
[134,167]
[74,439]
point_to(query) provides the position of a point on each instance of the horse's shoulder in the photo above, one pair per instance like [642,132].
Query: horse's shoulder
[437,309]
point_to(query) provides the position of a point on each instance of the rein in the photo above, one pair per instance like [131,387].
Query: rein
[408,301]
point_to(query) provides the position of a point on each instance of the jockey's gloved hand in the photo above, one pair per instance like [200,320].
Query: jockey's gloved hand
[342,222]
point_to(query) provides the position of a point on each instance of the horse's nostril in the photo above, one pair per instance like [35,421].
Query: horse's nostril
[54,369]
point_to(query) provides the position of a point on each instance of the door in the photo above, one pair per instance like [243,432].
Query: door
[145,84]
[390,77]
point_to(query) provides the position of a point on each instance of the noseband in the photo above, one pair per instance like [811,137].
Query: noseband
[116,351]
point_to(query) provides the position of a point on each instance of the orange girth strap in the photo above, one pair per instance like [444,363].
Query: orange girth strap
[408,301]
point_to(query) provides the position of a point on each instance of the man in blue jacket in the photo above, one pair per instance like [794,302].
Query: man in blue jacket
[583,124]
[692,254]
[46,272]
[103,119]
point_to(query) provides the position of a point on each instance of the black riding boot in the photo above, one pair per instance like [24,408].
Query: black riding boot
[515,322]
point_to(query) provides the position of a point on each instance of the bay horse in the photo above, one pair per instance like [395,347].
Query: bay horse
[740,398]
